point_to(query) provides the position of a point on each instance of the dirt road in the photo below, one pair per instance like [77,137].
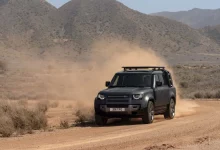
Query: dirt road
[196,131]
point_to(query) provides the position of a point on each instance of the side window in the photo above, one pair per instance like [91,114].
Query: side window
[165,79]
[116,81]
[156,78]
[170,80]
[161,78]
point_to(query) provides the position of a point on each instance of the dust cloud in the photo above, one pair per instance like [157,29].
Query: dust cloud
[81,80]
[89,75]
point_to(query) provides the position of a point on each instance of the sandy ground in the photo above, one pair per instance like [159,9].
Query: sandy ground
[199,131]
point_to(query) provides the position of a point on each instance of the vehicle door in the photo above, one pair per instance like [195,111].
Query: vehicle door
[164,89]
[158,92]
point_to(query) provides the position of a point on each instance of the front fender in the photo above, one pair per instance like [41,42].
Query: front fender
[173,94]
[146,98]
[98,102]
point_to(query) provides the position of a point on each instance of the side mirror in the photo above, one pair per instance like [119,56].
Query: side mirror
[158,83]
[107,83]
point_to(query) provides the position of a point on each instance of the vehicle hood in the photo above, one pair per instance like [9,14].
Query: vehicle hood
[125,90]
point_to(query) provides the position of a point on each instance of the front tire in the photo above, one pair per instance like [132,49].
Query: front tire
[100,121]
[148,117]
[171,110]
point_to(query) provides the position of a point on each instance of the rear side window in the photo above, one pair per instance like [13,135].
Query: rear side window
[170,79]
[163,79]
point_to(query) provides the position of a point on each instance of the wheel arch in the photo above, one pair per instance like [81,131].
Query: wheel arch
[174,98]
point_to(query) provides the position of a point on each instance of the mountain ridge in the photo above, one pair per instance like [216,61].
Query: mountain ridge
[79,23]
[196,18]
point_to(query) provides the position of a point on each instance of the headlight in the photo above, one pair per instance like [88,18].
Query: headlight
[101,97]
[137,96]
[146,98]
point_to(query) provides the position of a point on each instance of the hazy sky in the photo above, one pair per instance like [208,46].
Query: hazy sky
[152,6]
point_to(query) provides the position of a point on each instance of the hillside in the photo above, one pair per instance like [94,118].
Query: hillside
[213,32]
[29,19]
[79,23]
[84,21]
[196,18]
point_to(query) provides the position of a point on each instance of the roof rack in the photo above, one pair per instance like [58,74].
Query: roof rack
[143,67]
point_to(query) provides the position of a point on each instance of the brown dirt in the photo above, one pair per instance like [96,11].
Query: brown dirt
[197,131]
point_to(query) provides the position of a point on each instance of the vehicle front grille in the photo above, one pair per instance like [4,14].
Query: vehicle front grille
[118,98]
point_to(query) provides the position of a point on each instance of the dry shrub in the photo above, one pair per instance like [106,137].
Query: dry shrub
[64,124]
[6,126]
[84,117]
[207,95]
[43,106]
[2,67]
[54,104]
[15,117]
[184,85]
[217,94]
[202,79]
[37,120]
[198,95]
[23,102]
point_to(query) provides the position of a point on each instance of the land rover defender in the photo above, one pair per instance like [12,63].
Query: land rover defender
[137,92]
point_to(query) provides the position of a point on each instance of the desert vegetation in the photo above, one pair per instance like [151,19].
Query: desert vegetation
[64,124]
[84,118]
[2,67]
[198,81]
[17,118]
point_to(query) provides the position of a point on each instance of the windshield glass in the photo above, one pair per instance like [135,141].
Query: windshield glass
[131,80]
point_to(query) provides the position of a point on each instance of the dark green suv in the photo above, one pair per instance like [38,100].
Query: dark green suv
[137,92]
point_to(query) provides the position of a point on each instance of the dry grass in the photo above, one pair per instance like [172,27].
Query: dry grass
[69,106]
[207,95]
[6,126]
[54,104]
[198,81]
[64,124]
[17,118]
[43,106]
[3,67]
[84,117]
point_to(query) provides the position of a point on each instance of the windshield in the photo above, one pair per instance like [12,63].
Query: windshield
[131,80]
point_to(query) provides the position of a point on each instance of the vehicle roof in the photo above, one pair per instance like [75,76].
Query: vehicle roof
[141,71]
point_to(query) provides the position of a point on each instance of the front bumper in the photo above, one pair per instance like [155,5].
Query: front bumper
[129,111]
[131,107]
